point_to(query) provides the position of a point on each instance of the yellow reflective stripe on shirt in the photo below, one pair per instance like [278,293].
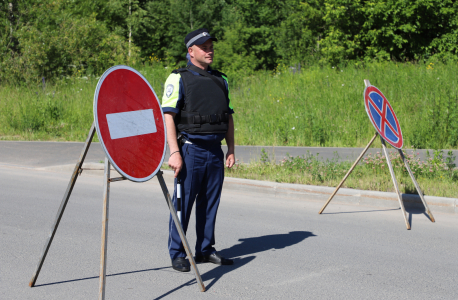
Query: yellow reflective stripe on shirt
[228,92]
[171,91]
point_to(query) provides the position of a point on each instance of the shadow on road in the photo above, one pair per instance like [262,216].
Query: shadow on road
[262,243]
[409,210]
[96,277]
[246,247]
[359,211]
[415,211]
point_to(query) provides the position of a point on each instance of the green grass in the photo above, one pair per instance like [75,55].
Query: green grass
[58,112]
[61,111]
[320,106]
[437,176]
[324,106]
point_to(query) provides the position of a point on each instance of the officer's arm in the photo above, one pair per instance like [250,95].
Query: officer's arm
[175,161]
[230,155]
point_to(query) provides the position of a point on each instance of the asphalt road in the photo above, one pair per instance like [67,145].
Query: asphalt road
[44,154]
[282,248]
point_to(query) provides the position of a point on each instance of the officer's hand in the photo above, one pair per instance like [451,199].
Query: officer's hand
[176,163]
[230,159]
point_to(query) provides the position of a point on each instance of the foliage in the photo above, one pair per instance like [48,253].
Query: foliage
[298,36]
[59,110]
[323,106]
[316,106]
[160,27]
[433,175]
[389,30]
[259,35]
[249,38]
[51,41]
[432,167]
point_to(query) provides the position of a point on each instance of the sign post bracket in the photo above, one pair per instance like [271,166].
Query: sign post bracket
[60,212]
[173,212]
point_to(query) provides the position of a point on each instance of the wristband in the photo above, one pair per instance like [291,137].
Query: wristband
[174,153]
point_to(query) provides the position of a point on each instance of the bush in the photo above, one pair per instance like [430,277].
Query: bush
[53,44]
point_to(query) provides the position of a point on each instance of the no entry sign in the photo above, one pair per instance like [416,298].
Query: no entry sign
[382,116]
[130,123]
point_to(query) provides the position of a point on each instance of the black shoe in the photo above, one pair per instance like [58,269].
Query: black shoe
[214,258]
[181,264]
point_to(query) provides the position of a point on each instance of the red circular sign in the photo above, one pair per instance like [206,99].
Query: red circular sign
[382,116]
[130,123]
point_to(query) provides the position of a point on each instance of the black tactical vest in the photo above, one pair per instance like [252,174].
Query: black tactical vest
[206,108]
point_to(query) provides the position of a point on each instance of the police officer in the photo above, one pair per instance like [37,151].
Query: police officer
[197,110]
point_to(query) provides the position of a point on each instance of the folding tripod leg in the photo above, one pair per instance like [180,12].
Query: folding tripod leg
[103,251]
[395,183]
[348,173]
[63,204]
[180,230]
[417,186]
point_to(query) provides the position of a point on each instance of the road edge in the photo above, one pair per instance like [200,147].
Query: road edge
[303,192]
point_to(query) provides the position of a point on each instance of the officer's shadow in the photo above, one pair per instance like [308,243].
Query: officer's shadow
[246,247]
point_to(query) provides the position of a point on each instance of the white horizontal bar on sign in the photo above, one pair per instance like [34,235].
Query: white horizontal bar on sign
[131,123]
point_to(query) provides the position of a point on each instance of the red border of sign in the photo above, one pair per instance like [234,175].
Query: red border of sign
[372,88]
[97,90]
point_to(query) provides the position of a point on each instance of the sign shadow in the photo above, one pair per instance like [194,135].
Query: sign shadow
[97,277]
[359,211]
[416,211]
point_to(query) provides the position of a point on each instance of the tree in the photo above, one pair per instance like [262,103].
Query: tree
[54,41]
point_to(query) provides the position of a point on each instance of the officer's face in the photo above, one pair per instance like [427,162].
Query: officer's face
[203,54]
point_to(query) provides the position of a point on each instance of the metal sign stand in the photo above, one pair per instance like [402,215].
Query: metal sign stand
[349,172]
[395,183]
[106,193]
[393,177]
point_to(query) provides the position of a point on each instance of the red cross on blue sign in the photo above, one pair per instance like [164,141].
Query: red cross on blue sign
[382,116]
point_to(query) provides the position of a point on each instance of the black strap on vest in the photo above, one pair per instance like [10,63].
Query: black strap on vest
[198,119]
[206,74]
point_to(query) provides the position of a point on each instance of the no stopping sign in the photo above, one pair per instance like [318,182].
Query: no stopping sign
[382,116]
